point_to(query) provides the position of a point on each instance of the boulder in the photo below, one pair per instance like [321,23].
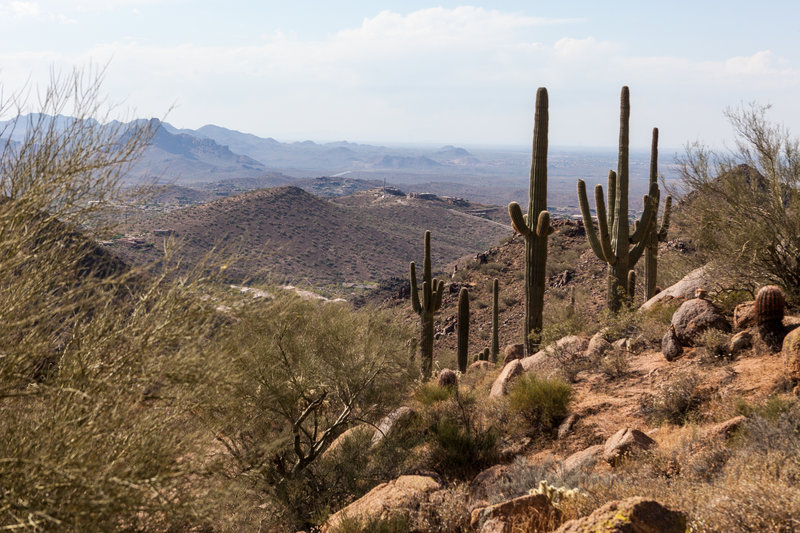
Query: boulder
[513,351]
[406,496]
[500,385]
[694,317]
[670,345]
[741,341]
[598,345]
[682,290]
[357,432]
[392,422]
[571,344]
[791,355]
[582,461]
[624,442]
[485,484]
[532,512]
[632,515]
[744,315]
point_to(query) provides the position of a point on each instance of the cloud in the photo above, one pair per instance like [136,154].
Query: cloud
[19,9]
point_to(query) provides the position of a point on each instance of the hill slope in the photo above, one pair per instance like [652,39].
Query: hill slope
[285,233]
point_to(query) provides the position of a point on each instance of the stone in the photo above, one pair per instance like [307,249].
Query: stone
[391,422]
[624,442]
[598,345]
[741,341]
[694,317]
[480,365]
[526,513]
[791,355]
[447,378]
[632,515]
[681,291]
[670,345]
[513,351]
[621,344]
[571,344]
[566,425]
[744,315]
[353,433]
[723,430]
[582,461]
[405,496]
[500,385]
[485,484]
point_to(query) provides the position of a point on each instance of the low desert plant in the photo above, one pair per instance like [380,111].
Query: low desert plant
[677,400]
[541,402]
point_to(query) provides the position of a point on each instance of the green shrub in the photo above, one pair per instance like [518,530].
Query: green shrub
[428,393]
[543,403]
[676,401]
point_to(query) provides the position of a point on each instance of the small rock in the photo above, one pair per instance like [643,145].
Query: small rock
[514,515]
[682,290]
[791,355]
[741,341]
[566,425]
[582,461]
[485,484]
[500,385]
[598,345]
[513,351]
[670,345]
[623,442]
[480,365]
[724,429]
[391,422]
[621,344]
[632,515]
[744,315]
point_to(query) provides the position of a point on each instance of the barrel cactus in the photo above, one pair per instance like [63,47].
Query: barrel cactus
[768,309]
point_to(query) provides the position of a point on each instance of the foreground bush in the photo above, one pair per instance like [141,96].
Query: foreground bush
[543,403]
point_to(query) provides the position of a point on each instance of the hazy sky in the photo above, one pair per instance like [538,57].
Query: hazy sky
[420,72]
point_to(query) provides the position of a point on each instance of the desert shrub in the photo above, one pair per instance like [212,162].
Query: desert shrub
[677,400]
[715,345]
[428,393]
[613,364]
[462,441]
[541,402]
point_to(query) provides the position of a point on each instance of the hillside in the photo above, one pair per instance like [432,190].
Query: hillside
[285,233]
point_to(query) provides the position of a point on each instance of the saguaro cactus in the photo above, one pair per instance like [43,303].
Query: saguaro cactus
[463,329]
[431,301]
[615,248]
[657,234]
[495,351]
[535,226]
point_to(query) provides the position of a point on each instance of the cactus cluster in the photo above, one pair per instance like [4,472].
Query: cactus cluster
[556,495]
[535,227]
[616,244]
[426,306]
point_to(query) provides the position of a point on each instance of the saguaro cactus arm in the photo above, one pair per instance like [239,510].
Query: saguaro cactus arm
[518,221]
[414,294]
[662,232]
[602,245]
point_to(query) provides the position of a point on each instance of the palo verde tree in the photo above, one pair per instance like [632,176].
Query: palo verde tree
[620,248]
[741,208]
[535,227]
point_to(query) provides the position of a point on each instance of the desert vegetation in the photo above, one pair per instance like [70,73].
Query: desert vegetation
[160,399]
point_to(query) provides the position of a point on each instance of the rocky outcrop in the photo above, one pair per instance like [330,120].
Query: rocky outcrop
[791,355]
[406,496]
[513,351]
[533,512]
[744,315]
[582,461]
[632,515]
[598,345]
[681,291]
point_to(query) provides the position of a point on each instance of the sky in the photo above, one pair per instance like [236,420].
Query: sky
[416,72]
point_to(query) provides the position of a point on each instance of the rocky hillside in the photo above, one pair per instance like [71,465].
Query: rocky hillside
[285,233]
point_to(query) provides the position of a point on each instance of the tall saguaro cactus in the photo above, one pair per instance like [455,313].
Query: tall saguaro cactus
[657,234]
[615,248]
[535,226]
[495,351]
[431,301]
[463,329]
